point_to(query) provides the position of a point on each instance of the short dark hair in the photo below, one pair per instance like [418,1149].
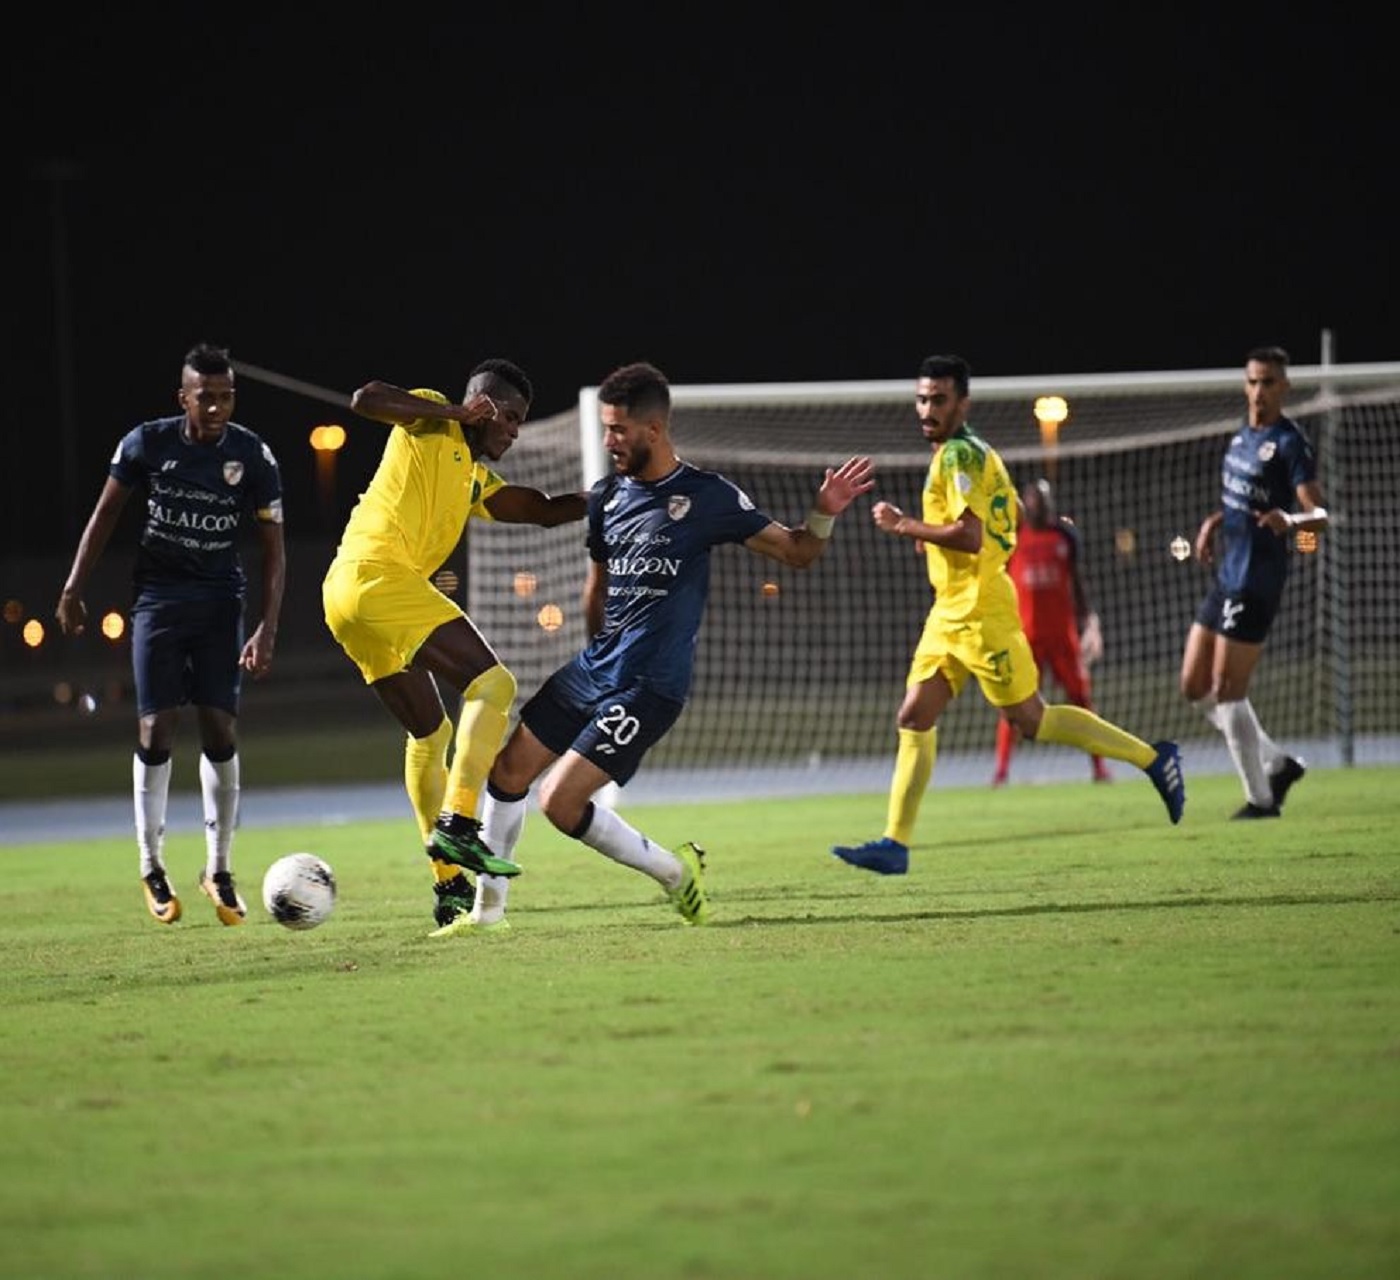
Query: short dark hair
[1268,355]
[208,359]
[640,388]
[954,367]
[506,371]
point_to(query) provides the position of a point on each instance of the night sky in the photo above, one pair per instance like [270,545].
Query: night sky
[830,200]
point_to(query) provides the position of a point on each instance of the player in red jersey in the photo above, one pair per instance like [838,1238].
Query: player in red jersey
[1054,604]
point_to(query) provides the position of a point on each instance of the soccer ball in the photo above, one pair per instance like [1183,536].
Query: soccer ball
[299,891]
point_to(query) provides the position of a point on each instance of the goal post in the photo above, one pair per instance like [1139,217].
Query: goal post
[801,671]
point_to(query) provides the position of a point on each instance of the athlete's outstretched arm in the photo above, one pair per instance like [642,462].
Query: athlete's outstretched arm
[519,504]
[395,407]
[72,612]
[801,546]
[1311,514]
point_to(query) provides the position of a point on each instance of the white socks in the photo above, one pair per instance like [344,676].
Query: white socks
[1255,754]
[1242,736]
[219,784]
[501,824]
[612,836]
[502,821]
[150,792]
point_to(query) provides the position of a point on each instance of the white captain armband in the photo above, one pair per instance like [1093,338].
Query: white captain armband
[818,525]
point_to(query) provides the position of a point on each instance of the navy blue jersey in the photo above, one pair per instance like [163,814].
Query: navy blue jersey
[655,540]
[1263,468]
[199,498]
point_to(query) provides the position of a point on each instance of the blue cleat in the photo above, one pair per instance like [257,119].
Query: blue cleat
[884,856]
[1167,777]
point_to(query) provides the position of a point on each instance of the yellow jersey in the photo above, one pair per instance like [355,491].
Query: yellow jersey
[966,472]
[425,489]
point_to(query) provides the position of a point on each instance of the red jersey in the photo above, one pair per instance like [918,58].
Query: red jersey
[1042,567]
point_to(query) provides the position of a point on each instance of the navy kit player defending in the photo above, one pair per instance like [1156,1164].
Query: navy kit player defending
[1269,469]
[203,478]
[651,527]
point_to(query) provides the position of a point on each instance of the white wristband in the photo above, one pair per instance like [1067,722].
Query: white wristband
[1295,518]
[819,525]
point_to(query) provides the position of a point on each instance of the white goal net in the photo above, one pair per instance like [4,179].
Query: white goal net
[801,672]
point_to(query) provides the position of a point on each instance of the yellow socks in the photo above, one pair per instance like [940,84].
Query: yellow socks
[425,775]
[913,767]
[1076,727]
[481,728]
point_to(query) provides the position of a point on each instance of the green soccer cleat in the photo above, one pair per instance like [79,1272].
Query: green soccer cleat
[455,898]
[160,897]
[228,906]
[457,839]
[689,897]
[465,924]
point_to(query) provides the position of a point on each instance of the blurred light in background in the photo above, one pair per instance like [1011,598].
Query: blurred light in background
[550,617]
[113,625]
[33,633]
[525,585]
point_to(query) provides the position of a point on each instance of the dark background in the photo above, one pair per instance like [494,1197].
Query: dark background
[744,194]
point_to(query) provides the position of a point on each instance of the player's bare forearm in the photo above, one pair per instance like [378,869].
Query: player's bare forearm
[71,611]
[394,406]
[1205,537]
[800,547]
[517,504]
[964,534]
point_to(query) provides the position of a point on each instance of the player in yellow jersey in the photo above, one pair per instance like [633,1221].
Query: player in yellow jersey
[967,533]
[403,633]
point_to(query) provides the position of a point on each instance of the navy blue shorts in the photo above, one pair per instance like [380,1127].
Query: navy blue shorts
[1245,616]
[187,651]
[614,729]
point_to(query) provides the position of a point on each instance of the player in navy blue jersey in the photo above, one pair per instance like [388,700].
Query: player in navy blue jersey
[204,479]
[652,524]
[1269,490]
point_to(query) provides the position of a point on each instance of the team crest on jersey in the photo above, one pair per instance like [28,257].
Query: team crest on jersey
[964,483]
[678,507]
[233,472]
[1267,450]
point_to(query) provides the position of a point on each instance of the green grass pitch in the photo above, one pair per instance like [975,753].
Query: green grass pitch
[1074,1041]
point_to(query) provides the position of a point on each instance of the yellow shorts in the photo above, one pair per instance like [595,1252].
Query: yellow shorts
[992,649]
[381,614]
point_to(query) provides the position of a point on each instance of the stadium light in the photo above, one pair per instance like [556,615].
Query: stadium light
[33,633]
[1050,413]
[327,440]
[113,625]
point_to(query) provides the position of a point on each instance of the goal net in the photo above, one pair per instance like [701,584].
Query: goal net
[799,673]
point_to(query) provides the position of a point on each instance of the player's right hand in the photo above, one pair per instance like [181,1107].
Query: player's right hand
[480,408]
[71,614]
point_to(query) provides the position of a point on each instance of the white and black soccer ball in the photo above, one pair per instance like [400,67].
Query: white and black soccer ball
[299,891]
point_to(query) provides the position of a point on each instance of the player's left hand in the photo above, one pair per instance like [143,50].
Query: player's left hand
[845,484]
[1275,520]
[256,658]
[1091,641]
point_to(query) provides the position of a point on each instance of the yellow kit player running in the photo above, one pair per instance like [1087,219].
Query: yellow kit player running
[967,534]
[403,633]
